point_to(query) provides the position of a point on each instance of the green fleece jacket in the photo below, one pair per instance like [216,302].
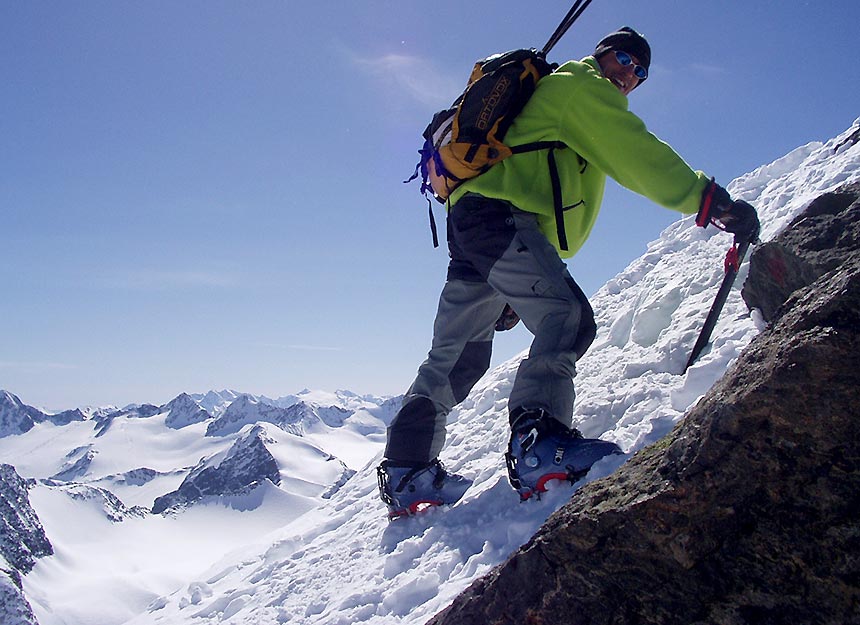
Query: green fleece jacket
[579,107]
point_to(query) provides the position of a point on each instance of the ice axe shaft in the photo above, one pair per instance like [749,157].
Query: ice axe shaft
[733,263]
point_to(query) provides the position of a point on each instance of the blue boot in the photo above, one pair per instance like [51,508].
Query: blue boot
[543,449]
[408,490]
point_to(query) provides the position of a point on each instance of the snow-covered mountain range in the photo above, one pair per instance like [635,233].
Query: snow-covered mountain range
[138,480]
[229,508]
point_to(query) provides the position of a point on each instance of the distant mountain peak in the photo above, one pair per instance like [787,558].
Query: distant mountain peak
[15,416]
[183,411]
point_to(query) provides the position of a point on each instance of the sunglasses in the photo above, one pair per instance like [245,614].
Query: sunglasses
[625,59]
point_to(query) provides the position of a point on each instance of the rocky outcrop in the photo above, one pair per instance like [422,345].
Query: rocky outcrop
[135,477]
[241,468]
[184,411]
[22,540]
[746,513]
[77,464]
[66,417]
[293,419]
[111,506]
[135,411]
[302,414]
[14,607]
[824,237]
[247,410]
[15,416]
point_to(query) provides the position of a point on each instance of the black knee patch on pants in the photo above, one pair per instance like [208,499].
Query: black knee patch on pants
[587,326]
[414,422]
[472,364]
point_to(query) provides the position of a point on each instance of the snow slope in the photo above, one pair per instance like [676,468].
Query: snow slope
[343,563]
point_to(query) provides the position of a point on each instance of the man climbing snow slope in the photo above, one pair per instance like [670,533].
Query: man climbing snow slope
[506,250]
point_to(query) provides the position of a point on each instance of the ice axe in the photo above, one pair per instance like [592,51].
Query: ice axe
[734,258]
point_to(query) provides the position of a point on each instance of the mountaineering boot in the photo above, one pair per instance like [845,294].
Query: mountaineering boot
[543,449]
[408,490]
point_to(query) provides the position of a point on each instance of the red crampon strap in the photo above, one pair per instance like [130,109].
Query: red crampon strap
[732,260]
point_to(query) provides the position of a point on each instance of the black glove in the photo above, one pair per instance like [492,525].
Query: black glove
[741,219]
[737,217]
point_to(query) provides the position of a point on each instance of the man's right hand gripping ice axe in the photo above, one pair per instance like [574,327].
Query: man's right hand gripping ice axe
[735,216]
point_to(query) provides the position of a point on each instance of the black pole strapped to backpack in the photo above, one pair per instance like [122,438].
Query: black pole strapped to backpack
[575,11]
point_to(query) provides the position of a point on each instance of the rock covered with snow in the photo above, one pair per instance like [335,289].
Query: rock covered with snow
[67,416]
[246,410]
[184,411]
[22,538]
[300,467]
[293,418]
[135,477]
[631,384]
[14,607]
[347,400]
[77,464]
[15,416]
[105,502]
[215,402]
[134,411]
[242,467]
[303,414]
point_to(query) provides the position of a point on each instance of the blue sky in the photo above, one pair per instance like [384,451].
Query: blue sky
[208,194]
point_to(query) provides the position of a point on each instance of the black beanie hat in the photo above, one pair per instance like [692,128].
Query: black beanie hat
[627,40]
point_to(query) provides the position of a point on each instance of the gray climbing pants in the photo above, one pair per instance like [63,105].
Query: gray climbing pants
[498,256]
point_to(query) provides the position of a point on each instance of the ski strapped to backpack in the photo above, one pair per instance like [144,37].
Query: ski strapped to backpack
[465,140]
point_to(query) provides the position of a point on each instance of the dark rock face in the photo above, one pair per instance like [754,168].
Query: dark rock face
[15,416]
[824,237]
[77,464]
[66,417]
[14,607]
[746,513]
[22,538]
[111,506]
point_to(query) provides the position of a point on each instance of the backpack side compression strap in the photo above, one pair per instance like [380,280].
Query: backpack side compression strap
[557,206]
